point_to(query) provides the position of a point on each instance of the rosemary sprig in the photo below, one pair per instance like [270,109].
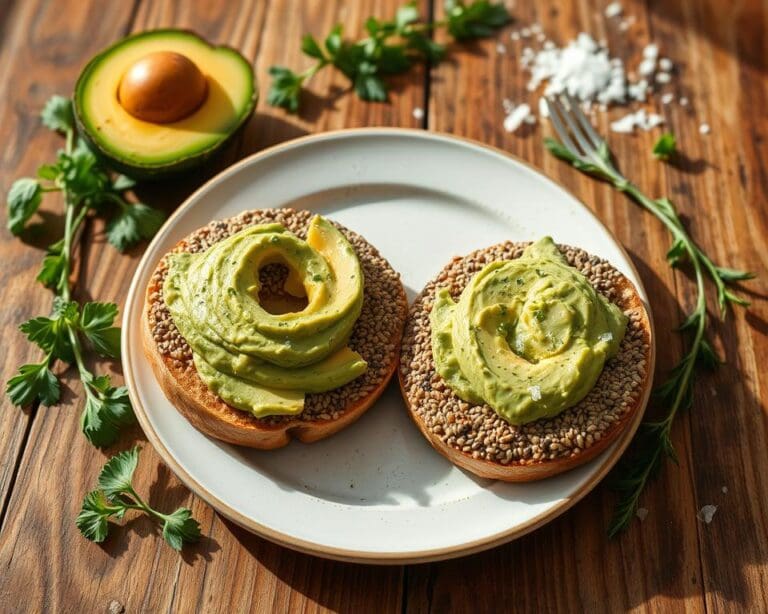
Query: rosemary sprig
[654,442]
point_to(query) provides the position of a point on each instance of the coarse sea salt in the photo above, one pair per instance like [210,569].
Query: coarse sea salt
[516,115]
[641,513]
[535,392]
[585,70]
[638,119]
[614,9]
[706,513]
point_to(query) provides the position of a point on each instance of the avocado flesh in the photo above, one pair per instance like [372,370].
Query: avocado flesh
[529,337]
[213,298]
[143,148]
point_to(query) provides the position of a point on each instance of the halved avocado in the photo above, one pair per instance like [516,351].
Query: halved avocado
[144,149]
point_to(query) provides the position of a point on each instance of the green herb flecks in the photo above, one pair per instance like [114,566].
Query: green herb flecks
[654,443]
[391,47]
[71,329]
[115,495]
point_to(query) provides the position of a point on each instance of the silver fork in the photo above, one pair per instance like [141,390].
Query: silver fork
[579,137]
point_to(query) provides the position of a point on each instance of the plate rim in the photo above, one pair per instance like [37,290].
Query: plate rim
[347,554]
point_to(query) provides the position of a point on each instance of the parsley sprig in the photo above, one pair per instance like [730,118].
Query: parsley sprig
[115,495]
[390,47]
[654,442]
[71,329]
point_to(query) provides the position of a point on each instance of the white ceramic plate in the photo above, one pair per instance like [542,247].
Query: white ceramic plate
[376,492]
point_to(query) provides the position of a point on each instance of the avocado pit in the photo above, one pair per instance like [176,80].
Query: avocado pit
[162,87]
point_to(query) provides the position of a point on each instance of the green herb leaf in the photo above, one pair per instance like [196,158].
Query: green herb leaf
[117,474]
[311,47]
[81,174]
[729,275]
[333,41]
[24,199]
[393,60]
[432,51]
[96,324]
[58,114]
[285,90]
[121,183]
[132,224]
[107,410]
[476,20]
[51,334]
[405,16]
[94,515]
[48,171]
[33,382]
[707,355]
[676,253]
[180,527]
[665,147]
[51,272]
[371,87]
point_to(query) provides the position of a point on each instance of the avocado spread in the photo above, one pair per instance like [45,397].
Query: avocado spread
[529,336]
[259,361]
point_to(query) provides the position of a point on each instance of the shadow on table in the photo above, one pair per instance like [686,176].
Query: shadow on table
[730,26]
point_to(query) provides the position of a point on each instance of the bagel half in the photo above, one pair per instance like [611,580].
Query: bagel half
[477,439]
[376,336]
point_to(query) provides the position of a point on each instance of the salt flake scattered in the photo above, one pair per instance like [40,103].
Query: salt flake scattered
[516,115]
[638,119]
[535,392]
[641,513]
[706,513]
[651,51]
[704,129]
[500,48]
[663,77]
[683,101]
[614,9]
[606,337]
[647,67]
[543,108]
[667,98]
[725,490]
[418,113]
[666,64]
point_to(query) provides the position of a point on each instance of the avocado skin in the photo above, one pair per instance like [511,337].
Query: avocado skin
[153,172]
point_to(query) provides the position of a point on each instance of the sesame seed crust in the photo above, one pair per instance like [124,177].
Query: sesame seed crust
[475,436]
[375,336]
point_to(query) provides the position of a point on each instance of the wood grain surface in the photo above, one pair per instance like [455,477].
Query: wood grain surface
[669,562]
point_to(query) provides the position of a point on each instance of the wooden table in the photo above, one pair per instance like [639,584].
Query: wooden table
[669,562]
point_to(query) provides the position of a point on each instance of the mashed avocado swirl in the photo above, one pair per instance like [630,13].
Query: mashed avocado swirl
[259,361]
[529,336]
